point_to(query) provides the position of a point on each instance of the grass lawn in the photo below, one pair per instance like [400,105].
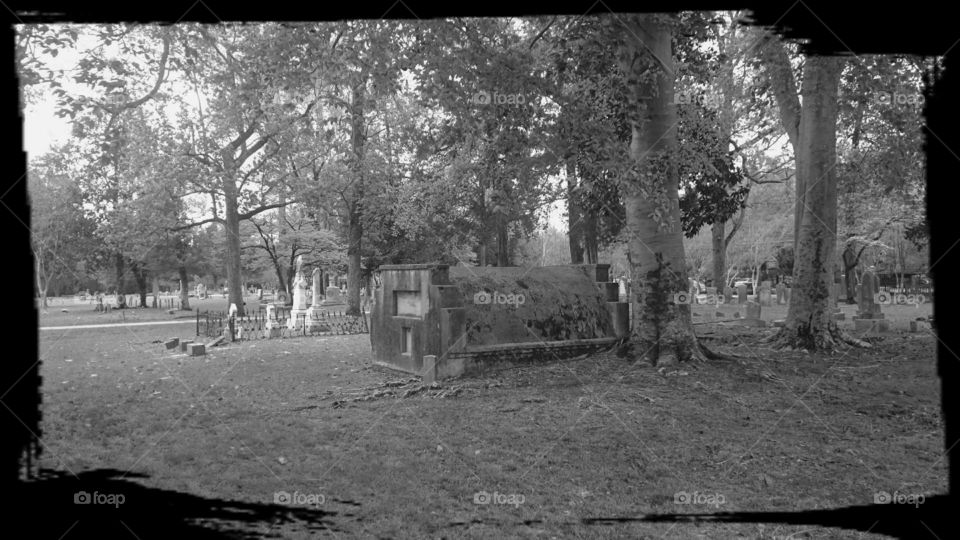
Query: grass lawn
[557,443]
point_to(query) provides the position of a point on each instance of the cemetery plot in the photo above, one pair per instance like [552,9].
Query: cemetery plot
[281,323]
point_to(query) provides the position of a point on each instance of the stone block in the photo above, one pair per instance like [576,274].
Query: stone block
[450,366]
[429,371]
[720,314]
[779,323]
[172,343]
[185,344]
[197,349]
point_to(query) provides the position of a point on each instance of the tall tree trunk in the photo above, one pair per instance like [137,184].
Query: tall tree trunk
[185,288]
[719,244]
[232,232]
[355,217]
[574,216]
[140,276]
[810,323]
[281,281]
[850,275]
[662,329]
[118,266]
[503,242]
[779,73]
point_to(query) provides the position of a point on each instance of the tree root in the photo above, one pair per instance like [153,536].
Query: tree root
[713,355]
[823,341]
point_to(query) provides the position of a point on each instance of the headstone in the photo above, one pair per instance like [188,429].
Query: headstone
[728,295]
[868,308]
[260,293]
[299,297]
[334,297]
[742,293]
[429,369]
[172,343]
[197,349]
[868,317]
[233,311]
[781,293]
[185,344]
[314,313]
[765,297]
[753,315]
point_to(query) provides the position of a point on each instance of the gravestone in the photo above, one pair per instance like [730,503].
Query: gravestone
[741,294]
[781,293]
[314,313]
[272,326]
[333,294]
[868,317]
[765,297]
[728,295]
[299,296]
[753,315]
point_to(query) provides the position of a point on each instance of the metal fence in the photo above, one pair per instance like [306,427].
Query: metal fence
[258,326]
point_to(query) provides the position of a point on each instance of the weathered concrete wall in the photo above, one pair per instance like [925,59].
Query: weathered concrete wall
[473,316]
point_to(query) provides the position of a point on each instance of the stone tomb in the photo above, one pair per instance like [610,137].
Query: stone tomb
[868,317]
[741,294]
[765,297]
[753,316]
[472,318]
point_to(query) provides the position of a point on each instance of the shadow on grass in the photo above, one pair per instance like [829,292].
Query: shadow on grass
[936,517]
[46,508]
